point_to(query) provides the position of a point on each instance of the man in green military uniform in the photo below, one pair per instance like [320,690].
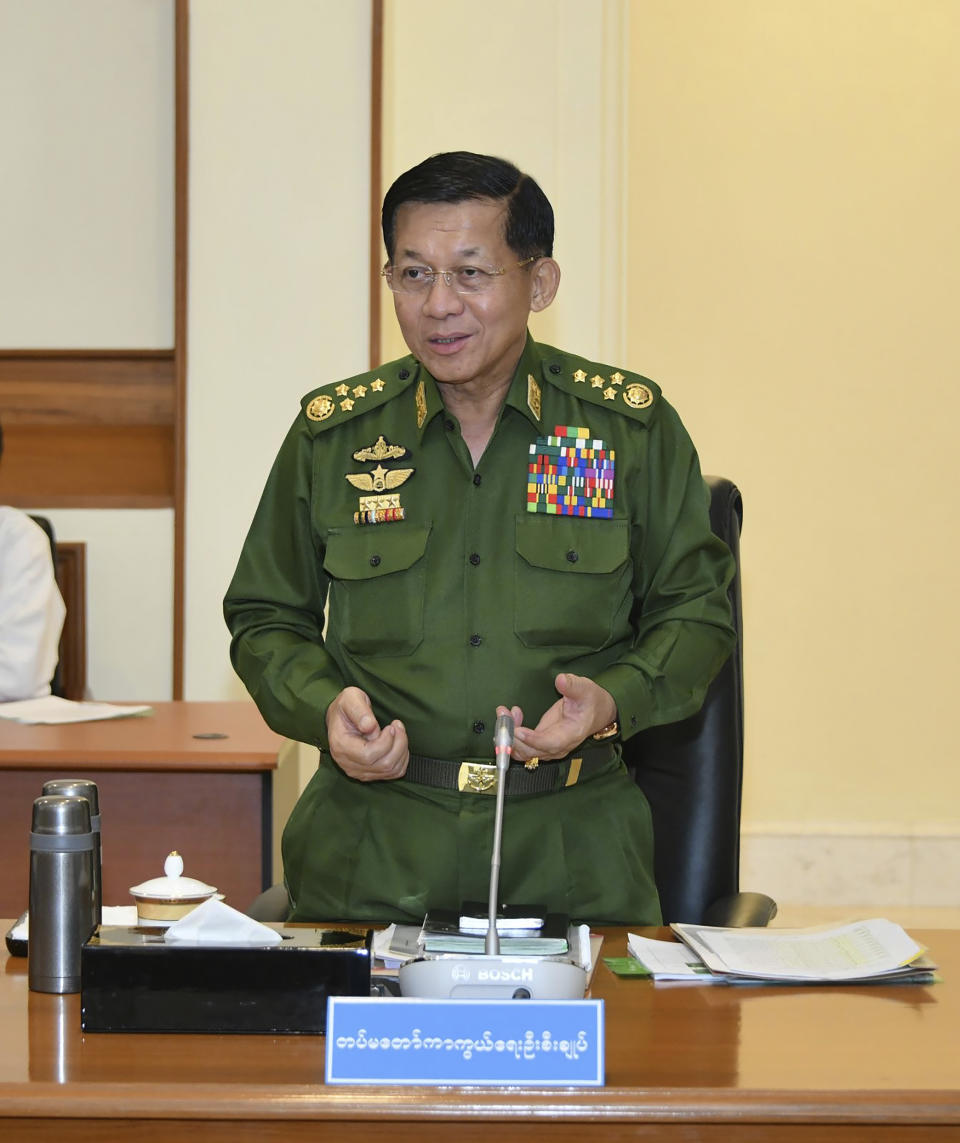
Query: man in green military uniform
[500,527]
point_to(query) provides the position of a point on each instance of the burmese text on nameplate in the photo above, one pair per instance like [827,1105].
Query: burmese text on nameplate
[411,1041]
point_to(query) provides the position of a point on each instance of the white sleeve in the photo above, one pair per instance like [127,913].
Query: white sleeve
[31,609]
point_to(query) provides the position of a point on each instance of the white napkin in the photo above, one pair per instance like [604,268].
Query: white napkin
[214,923]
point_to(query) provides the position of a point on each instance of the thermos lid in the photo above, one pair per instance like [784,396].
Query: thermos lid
[60,816]
[173,886]
[75,788]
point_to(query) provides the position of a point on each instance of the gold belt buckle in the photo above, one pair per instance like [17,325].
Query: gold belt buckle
[477,778]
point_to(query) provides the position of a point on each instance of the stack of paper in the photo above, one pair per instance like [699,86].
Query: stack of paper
[669,961]
[53,711]
[861,951]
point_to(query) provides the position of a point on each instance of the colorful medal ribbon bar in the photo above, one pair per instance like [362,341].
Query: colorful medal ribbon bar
[570,474]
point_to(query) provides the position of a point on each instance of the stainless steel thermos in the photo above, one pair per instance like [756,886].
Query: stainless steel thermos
[61,892]
[84,788]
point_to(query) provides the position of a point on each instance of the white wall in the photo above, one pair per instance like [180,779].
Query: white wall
[279,180]
[86,194]
[129,575]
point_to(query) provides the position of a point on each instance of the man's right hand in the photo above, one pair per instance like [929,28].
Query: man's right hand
[358,745]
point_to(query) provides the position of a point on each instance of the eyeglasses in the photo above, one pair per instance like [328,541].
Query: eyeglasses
[462,279]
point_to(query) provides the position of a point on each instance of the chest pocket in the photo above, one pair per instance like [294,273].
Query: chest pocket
[377,587]
[572,581]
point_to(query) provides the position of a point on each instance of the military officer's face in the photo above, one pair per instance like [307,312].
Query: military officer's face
[471,339]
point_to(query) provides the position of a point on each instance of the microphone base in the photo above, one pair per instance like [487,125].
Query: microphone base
[481,977]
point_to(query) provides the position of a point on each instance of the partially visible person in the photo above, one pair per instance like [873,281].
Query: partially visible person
[31,607]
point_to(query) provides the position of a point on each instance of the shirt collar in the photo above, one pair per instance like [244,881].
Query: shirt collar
[526,388]
[523,394]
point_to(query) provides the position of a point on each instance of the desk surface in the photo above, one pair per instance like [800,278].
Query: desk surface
[685,1063]
[168,736]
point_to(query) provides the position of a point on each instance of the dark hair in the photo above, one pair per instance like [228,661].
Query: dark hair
[456,176]
[1,440]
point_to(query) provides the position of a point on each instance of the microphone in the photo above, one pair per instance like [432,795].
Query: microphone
[503,736]
[489,975]
[503,748]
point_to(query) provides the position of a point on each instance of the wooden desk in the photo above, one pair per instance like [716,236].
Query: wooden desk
[829,1065]
[161,788]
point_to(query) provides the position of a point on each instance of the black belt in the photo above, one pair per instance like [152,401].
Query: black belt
[481,777]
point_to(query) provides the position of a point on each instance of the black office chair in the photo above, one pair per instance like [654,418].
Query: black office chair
[692,775]
[56,683]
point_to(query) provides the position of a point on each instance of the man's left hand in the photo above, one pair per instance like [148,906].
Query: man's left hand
[583,708]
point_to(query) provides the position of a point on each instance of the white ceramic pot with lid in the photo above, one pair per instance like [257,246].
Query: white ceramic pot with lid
[163,900]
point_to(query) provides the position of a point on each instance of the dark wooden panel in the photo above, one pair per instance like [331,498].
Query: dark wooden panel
[214,820]
[71,572]
[88,429]
[98,466]
[69,388]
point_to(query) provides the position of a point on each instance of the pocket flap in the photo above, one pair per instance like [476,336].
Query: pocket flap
[374,551]
[564,543]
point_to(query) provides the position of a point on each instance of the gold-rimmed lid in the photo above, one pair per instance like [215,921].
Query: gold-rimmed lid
[173,886]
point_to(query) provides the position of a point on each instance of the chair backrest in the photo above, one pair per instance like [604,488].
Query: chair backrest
[692,771]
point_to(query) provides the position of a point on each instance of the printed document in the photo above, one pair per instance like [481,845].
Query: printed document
[860,950]
[54,711]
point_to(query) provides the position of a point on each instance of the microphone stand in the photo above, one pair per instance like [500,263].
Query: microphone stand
[503,748]
[490,975]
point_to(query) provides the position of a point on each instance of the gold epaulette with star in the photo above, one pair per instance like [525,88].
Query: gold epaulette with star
[341,401]
[627,393]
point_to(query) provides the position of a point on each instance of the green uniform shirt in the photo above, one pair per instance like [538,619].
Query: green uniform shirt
[471,599]
[476,588]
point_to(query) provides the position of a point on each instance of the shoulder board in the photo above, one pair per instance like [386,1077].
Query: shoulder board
[341,401]
[615,389]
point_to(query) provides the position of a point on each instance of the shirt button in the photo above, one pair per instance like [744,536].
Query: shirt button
[474,558]
[479,727]
[554,368]
[403,374]
[572,556]
[477,478]
[374,561]
[475,640]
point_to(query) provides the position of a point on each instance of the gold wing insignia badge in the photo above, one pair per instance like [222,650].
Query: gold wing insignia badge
[394,477]
[383,507]
[380,479]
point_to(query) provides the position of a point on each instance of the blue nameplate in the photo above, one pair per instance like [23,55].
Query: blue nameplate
[410,1041]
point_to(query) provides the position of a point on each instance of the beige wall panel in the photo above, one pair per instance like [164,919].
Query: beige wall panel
[279,178]
[86,260]
[539,83]
[86,195]
[794,246]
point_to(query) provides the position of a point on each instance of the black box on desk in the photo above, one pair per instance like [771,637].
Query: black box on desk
[133,981]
